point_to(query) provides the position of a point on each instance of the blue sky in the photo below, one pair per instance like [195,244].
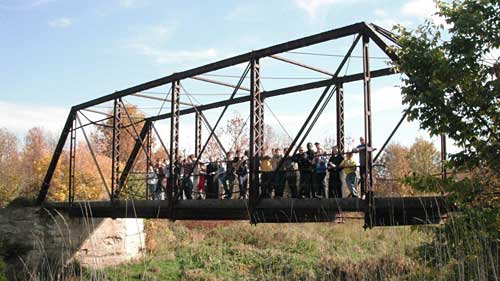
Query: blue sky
[59,53]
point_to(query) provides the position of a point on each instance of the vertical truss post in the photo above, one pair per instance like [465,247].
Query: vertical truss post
[256,134]
[149,144]
[340,118]
[370,215]
[173,183]
[44,189]
[72,155]
[197,139]
[443,157]
[149,153]
[115,153]
[367,114]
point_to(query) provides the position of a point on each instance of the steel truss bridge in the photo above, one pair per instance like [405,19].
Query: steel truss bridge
[378,210]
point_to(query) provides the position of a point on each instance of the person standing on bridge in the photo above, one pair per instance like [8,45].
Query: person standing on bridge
[152,181]
[266,170]
[334,182]
[195,176]
[160,172]
[361,149]
[230,175]
[279,174]
[186,183]
[306,170]
[212,190]
[242,172]
[320,163]
[349,167]
[290,167]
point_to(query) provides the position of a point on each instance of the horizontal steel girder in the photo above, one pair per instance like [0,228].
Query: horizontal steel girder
[412,210]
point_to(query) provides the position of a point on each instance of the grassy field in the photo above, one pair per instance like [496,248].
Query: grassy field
[239,251]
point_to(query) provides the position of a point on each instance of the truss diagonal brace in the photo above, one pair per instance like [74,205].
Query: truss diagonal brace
[133,155]
[55,158]
[212,132]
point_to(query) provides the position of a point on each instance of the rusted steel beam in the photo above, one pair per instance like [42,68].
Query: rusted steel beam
[390,211]
[369,31]
[219,83]
[390,137]
[276,49]
[161,99]
[174,181]
[280,58]
[279,92]
[340,118]
[98,112]
[96,163]
[55,157]
[256,136]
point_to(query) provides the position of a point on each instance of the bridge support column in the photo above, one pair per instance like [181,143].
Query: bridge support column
[340,117]
[256,134]
[115,153]
[368,182]
[173,183]
[197,138]
[72,157]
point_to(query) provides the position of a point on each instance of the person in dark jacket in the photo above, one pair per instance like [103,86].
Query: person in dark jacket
[186,182]
[230,175]
[290,166]
[242,172]
[306,170]
[334,182]
[212,190]
[278,177]
[320,166]
[361,149]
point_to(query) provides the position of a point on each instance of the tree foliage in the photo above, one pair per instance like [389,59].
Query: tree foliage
[10,179]
[399,162]
[452,87]
[423,157]
[102,138]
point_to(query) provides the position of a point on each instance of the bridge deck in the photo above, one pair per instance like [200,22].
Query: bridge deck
[386,211]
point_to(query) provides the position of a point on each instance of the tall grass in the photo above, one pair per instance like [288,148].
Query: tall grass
[239,251]
[459,250]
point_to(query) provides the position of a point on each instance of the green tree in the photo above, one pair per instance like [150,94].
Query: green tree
[395,166]
[423,157]
[10,176]
[452,86]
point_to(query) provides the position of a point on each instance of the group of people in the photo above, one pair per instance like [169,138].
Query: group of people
[304,172]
